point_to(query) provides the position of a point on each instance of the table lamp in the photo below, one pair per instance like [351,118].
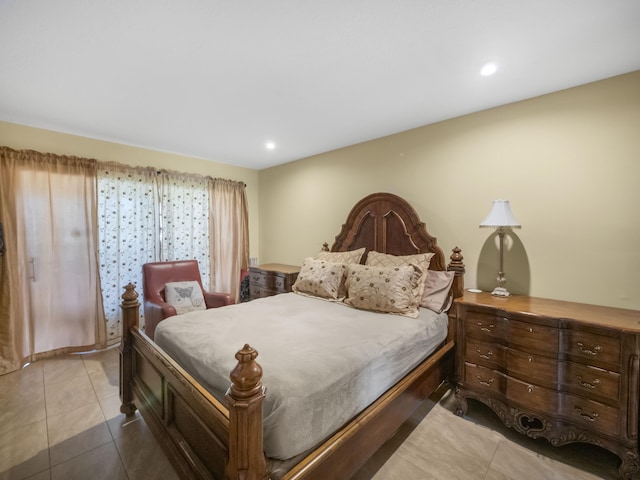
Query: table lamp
[501,218]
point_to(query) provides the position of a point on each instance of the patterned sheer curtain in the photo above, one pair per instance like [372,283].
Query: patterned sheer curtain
[229,235]
[184,207]
[128,222]
[50,287]
[147,216]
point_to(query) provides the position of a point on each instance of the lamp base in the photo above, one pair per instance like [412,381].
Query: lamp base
[500,292]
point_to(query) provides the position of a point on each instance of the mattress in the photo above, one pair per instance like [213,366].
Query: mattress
[323,362]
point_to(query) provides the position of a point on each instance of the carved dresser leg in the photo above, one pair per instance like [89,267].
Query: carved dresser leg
[630,464]
[461,401]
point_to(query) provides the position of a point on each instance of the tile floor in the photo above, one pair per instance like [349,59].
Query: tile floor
[60,420]
[436,444]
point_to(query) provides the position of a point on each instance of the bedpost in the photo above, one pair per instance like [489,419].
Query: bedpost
[457,266]
[130,314]
[244,399]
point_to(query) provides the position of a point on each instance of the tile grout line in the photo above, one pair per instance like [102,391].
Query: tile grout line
[46,417]
[113,439]
[493,457]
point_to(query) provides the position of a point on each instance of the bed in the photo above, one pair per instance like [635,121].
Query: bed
[207,434]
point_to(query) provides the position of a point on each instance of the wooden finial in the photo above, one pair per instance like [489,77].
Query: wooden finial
[457,266]
[246,377]
[325,247]
[130,295]
[456,257]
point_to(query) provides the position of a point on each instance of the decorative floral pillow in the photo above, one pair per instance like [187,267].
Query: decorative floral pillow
[385,289]
[184,296]
[436,294]
[422,260]
[321,278]
[350,257]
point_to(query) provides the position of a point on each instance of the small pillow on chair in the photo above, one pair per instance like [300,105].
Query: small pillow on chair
[184,296]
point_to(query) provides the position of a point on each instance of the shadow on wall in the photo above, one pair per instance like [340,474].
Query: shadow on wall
[516,264]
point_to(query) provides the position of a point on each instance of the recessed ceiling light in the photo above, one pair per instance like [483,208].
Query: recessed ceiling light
[270,145]
[488,69]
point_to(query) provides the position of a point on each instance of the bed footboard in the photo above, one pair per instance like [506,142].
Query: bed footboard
[201,437]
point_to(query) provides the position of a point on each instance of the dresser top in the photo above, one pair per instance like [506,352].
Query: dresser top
[278,267]
[595,314]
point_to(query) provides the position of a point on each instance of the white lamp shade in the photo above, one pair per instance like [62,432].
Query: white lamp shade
[500,216]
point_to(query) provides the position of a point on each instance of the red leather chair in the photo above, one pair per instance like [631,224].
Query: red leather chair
[156,275]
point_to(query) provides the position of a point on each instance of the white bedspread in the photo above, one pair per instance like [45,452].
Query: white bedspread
[322,362]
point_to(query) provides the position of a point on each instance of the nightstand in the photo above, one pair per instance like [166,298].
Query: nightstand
[271,279]
[564,371]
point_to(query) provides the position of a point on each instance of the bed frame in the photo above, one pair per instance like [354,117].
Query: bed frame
[205,439]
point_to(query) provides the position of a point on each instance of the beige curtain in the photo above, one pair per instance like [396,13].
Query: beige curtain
[50,279]
[229,235]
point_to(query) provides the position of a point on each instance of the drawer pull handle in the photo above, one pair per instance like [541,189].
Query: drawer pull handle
[485,329]
[595,383]
[592,418]
[530,359]
[597,349]
[486,356]
[530,388]
[486,383]
[530,330]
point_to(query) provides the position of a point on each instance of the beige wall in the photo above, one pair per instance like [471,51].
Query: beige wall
[568,162]
[20,137]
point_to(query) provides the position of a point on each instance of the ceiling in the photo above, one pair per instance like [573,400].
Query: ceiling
[219,79]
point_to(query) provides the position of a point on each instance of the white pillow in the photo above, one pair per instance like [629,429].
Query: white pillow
[184,296]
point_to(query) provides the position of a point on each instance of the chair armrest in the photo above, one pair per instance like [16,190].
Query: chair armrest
[217,299]
[154,313]
[163,309]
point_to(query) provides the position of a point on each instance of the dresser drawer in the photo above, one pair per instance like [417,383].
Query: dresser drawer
[592,347]
[281,284]
[488,355]
[591,381]
[534,337]
[532,397]
[259,292]
[484,378]
[532,367]
[590,414]
[484,326]
[261,280]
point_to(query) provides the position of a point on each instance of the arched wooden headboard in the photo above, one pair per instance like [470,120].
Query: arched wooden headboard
[386,223]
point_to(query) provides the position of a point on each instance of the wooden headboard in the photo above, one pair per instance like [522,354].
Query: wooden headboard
[386,223]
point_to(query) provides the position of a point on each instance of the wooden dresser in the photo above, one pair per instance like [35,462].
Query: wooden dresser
[564,371]
[271,279]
